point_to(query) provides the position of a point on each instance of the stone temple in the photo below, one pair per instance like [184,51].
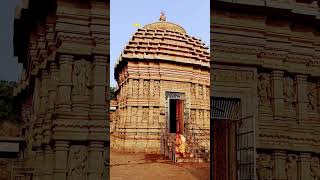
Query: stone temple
[163,87]
[265,88]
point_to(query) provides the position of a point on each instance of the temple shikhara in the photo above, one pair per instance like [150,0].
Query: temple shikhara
[265,89]
[163,89]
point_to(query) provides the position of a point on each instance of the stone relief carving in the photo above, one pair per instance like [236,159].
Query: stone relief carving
[201,115]
[232,76]
[145,113]
[193,116]
[264,89]
[77,163]
[146,88]
[134,114]
[135,89]
[289,92]
[81,77]
[156,88]
[155,115]
[315,168]
[264,167]
[312,95]
[207,93]
[200,90]
[193,90]
[4,172]
[291,167]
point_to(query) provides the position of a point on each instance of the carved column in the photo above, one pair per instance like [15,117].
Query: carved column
[60,156]
[64,86]
[44,104]
[277,89]
[130,93]
[152,95]
[302,97]
[279,165]
[99,85]
[305,166]
[38,163]
[140,87]
[47,163]
[96,161]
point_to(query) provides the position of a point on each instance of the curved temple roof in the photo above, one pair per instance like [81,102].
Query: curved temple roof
[168,41]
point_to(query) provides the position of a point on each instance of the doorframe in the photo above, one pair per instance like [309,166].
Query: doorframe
[179,96]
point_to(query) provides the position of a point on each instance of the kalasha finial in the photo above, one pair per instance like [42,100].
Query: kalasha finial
[162,16]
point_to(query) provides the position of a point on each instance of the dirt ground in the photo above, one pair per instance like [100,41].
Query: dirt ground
[128,166]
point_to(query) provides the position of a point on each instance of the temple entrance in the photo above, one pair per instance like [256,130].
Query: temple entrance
[232,141]
[176,113]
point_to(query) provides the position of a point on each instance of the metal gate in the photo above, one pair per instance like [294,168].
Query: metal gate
[225,117]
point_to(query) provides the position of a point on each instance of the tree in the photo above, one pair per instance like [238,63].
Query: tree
[9,107]
[112,93]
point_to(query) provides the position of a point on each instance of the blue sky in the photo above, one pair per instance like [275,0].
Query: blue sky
[192,15]
[9,68]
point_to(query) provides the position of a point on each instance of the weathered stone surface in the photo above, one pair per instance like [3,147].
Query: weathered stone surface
[63,88]
[283,93]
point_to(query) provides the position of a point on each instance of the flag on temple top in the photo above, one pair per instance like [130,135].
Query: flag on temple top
[136,25]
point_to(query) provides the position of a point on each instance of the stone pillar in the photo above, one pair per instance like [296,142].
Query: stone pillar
[38,164]
[61,149]
[96,160]
[130,88]
[277,89]
[302,97]
[140,87]
[47,163]
[305,166]
[152,95]
[197,91]
[279,165]
[99,81]
[64,86]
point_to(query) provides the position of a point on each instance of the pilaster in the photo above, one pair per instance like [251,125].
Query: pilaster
[96,160]
[279,165]
[65,83]
[61,149]
[277,89]
[302,97]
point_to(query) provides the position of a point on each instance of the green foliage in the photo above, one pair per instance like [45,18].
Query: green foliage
[112,93]
[9,107]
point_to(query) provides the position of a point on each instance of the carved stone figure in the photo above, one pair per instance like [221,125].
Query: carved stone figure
[145,114]
[193,116]
[193,90]
[315,168]
[77,163]
[81,77]
[291,167]
[264,89]
[312,95]
[134,114]
[264,167]
[135,89]
[4,173]
[289,92]
[200,91]
[156,87]
[146,88]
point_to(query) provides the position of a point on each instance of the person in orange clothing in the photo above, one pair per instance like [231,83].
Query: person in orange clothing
[180,144]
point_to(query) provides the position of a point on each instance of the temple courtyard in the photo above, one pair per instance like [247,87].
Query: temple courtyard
[139,166]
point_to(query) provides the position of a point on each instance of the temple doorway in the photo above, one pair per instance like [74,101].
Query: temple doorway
[232,140]
[176,113]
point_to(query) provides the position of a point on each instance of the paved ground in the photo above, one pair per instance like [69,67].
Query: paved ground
[127,166]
